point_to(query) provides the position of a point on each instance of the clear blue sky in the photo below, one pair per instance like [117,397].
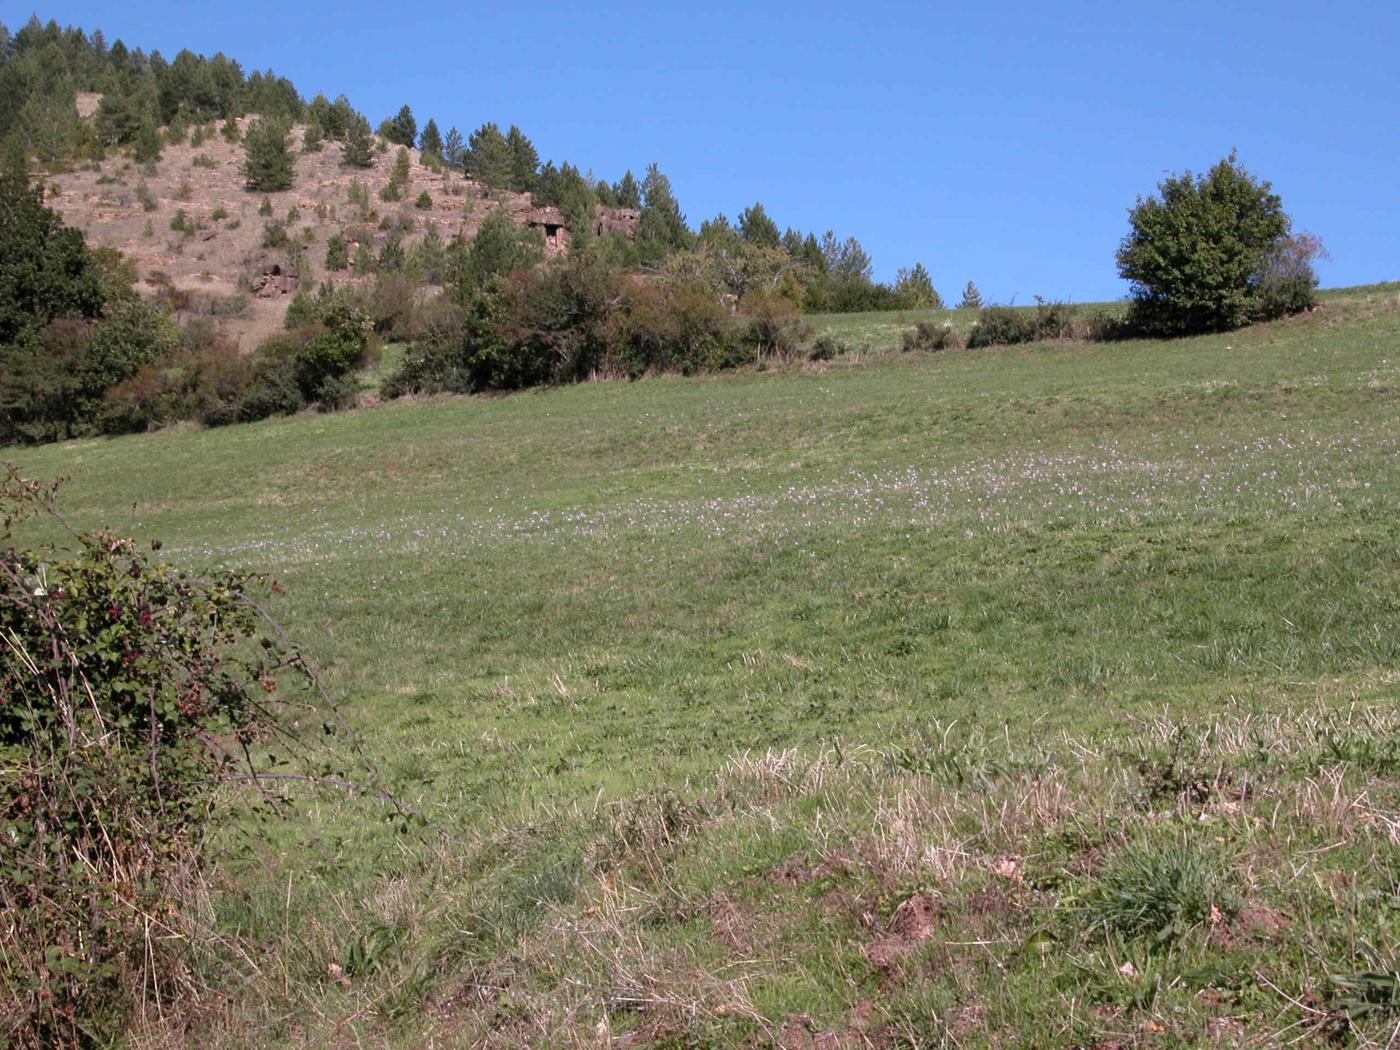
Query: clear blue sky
[1000,142]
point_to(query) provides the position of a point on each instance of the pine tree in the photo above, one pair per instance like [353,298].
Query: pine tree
[914,289]
[358,151]
[117,119]
[430,142]
[757,228]
[662,227]
[524,160]
[627,191]
[453,148]
[267,160]
[311,140]
[403,129]
[489,158]
[146,147]
[971,298]
[337,253]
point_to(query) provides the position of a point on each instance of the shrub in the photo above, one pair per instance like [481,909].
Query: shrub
[1287,282]
[357,193]
[337,253]
[203,160]
[1001,326]
[775,328]
[424,201]
[1197,253]
[219,214]
[274,235]
[128,689]
[929,335]
[1105,326]
[52,384]
[826,348]
[679,327]
[1054,320]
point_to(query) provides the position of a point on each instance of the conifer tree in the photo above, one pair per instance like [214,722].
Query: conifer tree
[914,289]
[524,160]
[147,146]
[403,129]
[267,160]
[430,142]
[627,191]
[337,253]
[358,151]
[662,228]
[971,298]
[311,140]
[757,228]
[489,158]
[453,148]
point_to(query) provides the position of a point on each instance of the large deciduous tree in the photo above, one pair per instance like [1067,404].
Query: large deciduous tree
[1202,252]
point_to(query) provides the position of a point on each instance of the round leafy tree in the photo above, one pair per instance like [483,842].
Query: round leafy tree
[1200,253]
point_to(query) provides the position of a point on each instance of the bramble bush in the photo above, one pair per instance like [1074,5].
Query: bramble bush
[930,335]
[1001,326]
[128,691]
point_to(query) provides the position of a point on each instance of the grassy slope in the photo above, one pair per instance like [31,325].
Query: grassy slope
[558,617]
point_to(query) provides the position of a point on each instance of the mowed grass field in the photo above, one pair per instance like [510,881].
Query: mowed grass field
[1034,696]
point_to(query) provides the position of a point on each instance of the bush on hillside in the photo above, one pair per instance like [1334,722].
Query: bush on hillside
[680,327]
[575,320]
[52,384]
[930,335]
[1001,326]
[1054,320]
[128,691]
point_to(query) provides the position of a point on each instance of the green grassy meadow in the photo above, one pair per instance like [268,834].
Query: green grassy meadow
[825,706]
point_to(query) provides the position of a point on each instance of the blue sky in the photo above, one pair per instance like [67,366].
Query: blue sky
[1001,143]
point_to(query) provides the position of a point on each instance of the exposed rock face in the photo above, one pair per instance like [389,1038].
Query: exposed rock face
[557,234]
[277,281]
[616,220]
[551,221]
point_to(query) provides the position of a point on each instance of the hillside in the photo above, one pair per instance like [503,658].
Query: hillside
[1041,695]
[217,264]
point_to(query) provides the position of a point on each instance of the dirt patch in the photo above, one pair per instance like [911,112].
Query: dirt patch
[799,1032]
[1260,919]
[913,923]
[797,870]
